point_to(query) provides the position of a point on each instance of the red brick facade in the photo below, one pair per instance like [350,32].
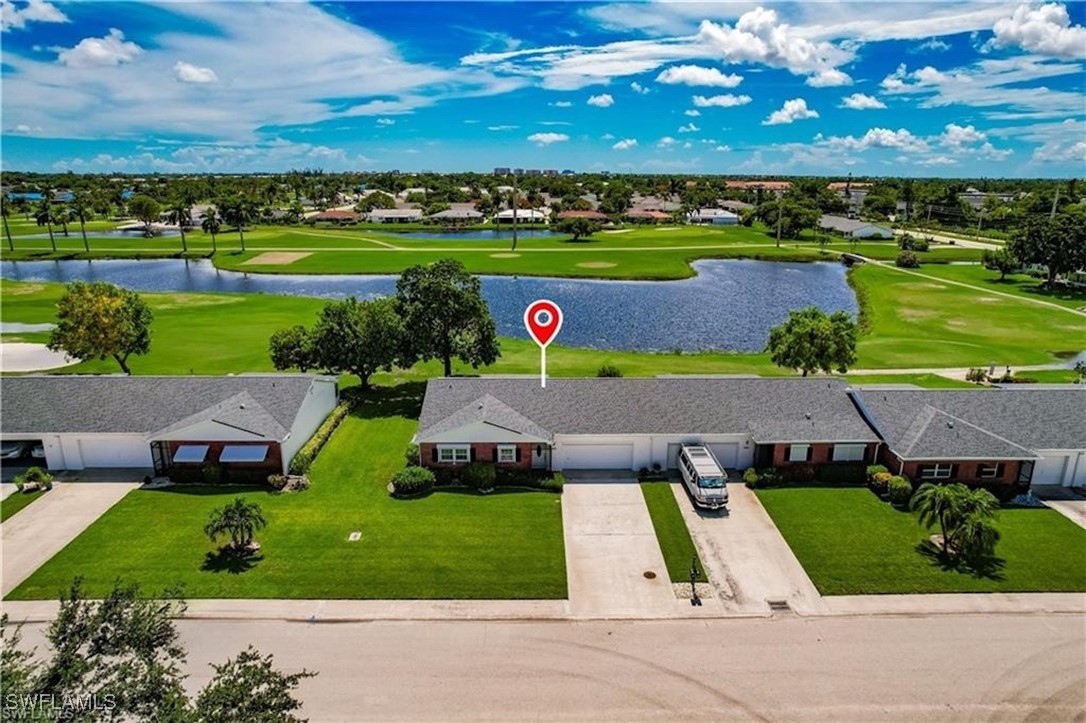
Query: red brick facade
[819,453]
[480,452]
[967,471]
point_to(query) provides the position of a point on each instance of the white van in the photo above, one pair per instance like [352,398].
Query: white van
[703,476]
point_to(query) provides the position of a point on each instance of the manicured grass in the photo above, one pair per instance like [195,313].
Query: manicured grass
[17,501]
[1050,376]
[1017,284]
[920,321]
[671,531]
[928,381]
[461,545]
[851,543]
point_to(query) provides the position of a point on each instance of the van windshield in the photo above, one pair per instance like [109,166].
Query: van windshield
[711,482]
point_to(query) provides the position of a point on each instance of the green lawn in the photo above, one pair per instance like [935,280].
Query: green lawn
[1017,284]
[929,381]
[15,502]
[1050,376]
[447,545]
[850,543]
[671,531]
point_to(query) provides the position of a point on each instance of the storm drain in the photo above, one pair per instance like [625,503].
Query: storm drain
[779,606]
[354,536]
[650,575]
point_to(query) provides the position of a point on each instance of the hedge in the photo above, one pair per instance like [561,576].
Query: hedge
[412,481]
[305,456]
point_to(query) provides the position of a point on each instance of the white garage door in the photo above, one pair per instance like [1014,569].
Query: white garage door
[1049,470]
[727,453]
[598,456]
[115,452]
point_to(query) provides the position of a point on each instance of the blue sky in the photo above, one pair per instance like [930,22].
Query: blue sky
[873,88]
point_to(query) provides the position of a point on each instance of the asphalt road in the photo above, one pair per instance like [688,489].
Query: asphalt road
[968,668]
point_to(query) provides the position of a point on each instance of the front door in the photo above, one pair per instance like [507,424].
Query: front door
[160,456]
[541,457]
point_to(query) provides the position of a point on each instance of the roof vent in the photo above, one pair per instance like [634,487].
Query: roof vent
[807,415]
[241,406]
[950,425]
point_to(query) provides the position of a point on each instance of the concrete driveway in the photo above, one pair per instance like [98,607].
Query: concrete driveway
[610,544]
[747,558]
[43,528]
[1065,501]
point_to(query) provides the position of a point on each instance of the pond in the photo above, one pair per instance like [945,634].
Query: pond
[729,305]
[480,235]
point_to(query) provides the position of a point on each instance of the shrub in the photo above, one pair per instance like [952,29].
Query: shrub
[609,370]
[536,479]
[643,472]
[656,467]
[412,481]
[907,260]
[36,478]
[874,469]
[277,481]
[912,243]
[841,473]
[411,455]
[211,473]
[479,476]
[308,452]
[880,481]
[900,490]
[977,375]
[750,478]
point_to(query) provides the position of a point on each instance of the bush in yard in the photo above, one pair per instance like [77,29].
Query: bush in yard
[411,455]
[976,375]
[34,478]
[609,370]
[211,473]
[308,452]
[907,260]
[874,469]
[880,481]
[479,476]
[412,481]
[751,478]
[912,243]
[841,473]
[277,481]
[900,491]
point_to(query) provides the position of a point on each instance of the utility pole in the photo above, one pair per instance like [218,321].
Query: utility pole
[515,195]
[780,213]
[980,220]
[1055,200]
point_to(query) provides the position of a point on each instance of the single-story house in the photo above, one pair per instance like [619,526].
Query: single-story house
[524,215]
[627,424]
[736,206]
[461,215]
[646,216]
[396,215]
[1028,436]
[253,422]
[590,215]
[714,216]
[854,229]
[333,216]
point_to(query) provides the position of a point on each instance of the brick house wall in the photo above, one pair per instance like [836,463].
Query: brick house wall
[820,453]
[967,471]
[272,464]
[480,452]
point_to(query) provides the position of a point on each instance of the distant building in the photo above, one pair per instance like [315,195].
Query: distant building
[396,215]
[754,185]
[714,216]
[502,171]
[852,228]
[647,216]
[591,215]
[336,217]
[456,214]
[736,206]
[524,215]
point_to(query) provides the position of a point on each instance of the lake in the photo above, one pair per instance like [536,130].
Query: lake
[729,305]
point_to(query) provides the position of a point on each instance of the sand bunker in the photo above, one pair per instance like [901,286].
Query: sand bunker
[275,258]
[24,357]
[619,230]
[505,256]
[596,265]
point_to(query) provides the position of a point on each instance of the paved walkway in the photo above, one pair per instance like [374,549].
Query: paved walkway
[41,530]
[1065,501]
[747,558]
[610,544]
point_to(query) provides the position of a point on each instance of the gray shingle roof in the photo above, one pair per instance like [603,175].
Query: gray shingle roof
[45,404]
[489,410]
[773,410]
[847,225]
[995,424]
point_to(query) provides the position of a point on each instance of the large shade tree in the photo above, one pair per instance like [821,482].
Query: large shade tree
[356,337]
[1057,243]
[145,209]
[97,320]
[446,316]
[811,340]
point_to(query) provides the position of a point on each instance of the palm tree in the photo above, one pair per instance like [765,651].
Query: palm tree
[43,214]
[240,520]
[63,216]
[942,504]
[976,536]
[211,224]
[80,211]
[180,212]
[5,211]
[237,214]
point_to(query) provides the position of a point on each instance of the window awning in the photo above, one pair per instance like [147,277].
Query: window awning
[190,454]
[244,453]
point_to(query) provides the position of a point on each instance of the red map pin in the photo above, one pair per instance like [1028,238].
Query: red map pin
[543,319]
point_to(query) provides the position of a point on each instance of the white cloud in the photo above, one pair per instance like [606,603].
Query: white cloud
[1057,151]
[625,144]
[859,101]
[722,149]
[545,139]
[604,100]
[502,128]
[692,112]
[688,145]
[35,11]
[189,73]
[955,136]
[829,78]
[727,100]
[937,161]
[689,128]
[792,110]
[666,142]
[932,45]
[561,104]
[639,89]
[554,123]
[1046,30]
[113,49]
[697,75]
[608,136]
[900,139]
[386,121]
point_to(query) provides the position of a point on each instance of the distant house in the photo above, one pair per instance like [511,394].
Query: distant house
[735,206]
[714,216]
[654,203]
[645,216]
[590,215]
[852,228]
[396,215]
[336,217]
[755,185]
[255,423]
[524,215]
[456,215]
